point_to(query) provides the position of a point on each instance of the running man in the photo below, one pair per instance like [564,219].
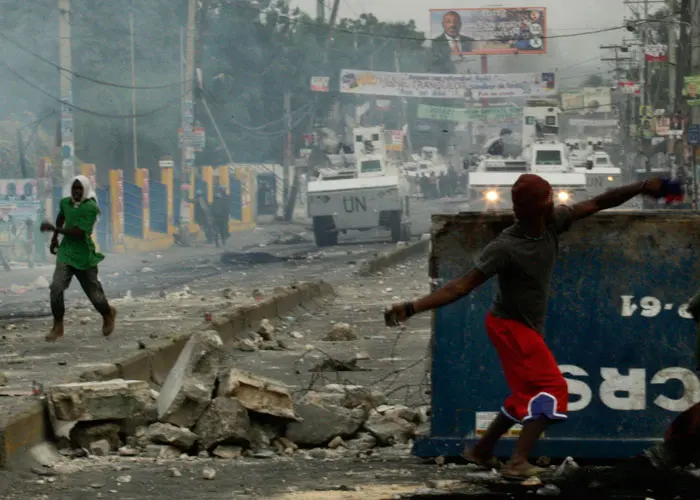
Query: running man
[76,255]
[523,257]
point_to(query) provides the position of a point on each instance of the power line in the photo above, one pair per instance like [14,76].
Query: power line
[84,77]
[81,109]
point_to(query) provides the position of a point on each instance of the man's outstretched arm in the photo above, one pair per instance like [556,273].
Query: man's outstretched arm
[451,292]
[616,197]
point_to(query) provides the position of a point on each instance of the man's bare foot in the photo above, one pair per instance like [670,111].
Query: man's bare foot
[486,462]
[108,322]
[56,332]
[520,470]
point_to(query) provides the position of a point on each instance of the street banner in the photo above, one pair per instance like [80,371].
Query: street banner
[691,90]
[489,115]
[319,83]
[656,53]
[441,86]
[489,31]
[571,101]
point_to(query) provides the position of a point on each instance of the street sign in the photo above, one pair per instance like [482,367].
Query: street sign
[694,134]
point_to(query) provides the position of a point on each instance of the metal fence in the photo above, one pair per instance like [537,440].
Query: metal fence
[158,207]
[133,210]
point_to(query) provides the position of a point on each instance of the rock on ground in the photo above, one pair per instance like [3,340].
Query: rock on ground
[321,423]
[111,400]
[259,394]
[189,386]
[389,431]
[225,421]
[179,437]
[341,332]
[266,330]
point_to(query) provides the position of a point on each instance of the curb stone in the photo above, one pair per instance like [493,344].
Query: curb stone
[393,257]
[20,432]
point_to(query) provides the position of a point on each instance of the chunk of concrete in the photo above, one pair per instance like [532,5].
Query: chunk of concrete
[389,431]
[394,412]
[228,452]
[266,330]
[179,437]
[110,400]
[320,423]
[189,386]
[256,393]
[364,441]
[355,396]
[225,421]
[341,332]
[100,448]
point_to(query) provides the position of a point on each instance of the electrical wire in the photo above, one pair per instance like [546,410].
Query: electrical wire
[84,77]
[81,109]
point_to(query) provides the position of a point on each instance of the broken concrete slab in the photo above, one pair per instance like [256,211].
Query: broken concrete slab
[256,393]
[100,448]
[110,400]
[161,433]
[363,442]
[225,421]
[341,332]
[320,423]
[189,386]
[389,431]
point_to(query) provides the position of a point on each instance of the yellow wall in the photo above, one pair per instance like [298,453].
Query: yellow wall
[116,194]
[166,177]
[141,178]
[208,177]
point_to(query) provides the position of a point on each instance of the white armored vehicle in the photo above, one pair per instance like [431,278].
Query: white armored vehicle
[542,154]
[372,193]
[600,172]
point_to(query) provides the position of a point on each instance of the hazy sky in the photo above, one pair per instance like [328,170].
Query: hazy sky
[577,55]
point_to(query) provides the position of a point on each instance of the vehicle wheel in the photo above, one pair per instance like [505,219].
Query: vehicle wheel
[324,231]
[395,226]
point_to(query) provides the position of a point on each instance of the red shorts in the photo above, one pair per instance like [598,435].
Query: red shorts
[537,386]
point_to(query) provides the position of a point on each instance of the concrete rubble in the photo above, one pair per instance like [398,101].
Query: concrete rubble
[341,332]
[91,401]
[188,388]
[255,393]
[202,410]
[225,421]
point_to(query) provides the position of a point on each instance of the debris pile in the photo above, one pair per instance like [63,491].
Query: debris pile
[207,410]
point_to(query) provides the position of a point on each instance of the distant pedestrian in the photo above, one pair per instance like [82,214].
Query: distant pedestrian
[76,256]
[220,215]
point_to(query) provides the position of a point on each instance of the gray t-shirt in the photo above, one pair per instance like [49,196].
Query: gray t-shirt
[524,266]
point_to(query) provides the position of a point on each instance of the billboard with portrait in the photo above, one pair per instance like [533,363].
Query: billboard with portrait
[489,31]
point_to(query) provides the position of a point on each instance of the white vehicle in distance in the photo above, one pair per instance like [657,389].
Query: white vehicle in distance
[601,174]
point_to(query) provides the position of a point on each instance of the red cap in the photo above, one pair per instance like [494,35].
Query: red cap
[531,195]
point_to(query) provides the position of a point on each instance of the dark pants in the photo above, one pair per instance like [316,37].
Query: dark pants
[88,279]
[221,231]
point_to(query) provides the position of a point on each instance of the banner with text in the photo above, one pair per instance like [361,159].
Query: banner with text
[518,30]
[319,83]
[440,86]
[492,114]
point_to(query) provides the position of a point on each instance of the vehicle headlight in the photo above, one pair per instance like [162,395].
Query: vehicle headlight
[563,196]
[610,178]
[491,196]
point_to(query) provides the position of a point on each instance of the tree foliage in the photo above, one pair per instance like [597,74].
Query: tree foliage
[252,53]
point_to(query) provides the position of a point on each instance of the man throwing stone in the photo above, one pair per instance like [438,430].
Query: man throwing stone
[523,257]
[76,255]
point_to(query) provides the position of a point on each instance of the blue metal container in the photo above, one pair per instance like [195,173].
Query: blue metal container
[617,324]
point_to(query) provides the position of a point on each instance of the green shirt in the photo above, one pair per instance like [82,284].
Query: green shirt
[79,252]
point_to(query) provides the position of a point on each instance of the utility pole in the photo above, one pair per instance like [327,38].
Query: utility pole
[287,145]
[66,82]
[404,113]
[694,57]
[320,11]
[133,91]
[187,152]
